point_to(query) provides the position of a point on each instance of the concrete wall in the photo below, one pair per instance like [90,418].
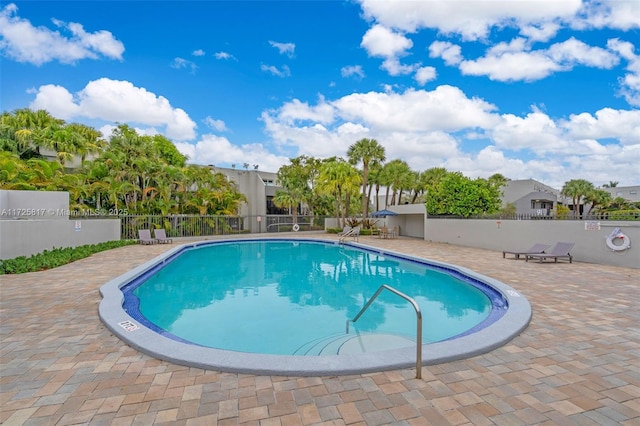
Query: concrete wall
[34,221]
[410,219]
[590,244]
[28,237]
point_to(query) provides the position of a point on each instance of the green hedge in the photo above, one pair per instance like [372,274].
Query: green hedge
[55,257]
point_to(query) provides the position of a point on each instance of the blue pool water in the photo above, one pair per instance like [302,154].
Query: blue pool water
[294,297]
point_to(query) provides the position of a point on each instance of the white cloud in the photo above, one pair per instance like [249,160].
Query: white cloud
[179,63]
[284,48]
[116,101]
[425,74]
[470,19]
[271,69]
[224,55]
[57,100]
[21,41]
[543,31]
[526,66]
[352,70]
[394,67]
[198,52]
[439,128]
[296,111]
[573,52]
[536,20]
[617,14]
[630,82]
[607,123]
[383,42]
[513,61]
[445,108]
[218,125]
[449,52]
[216,150]
[536,131]
[380,41]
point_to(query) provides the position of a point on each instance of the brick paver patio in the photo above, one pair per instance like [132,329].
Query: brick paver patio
[578,362]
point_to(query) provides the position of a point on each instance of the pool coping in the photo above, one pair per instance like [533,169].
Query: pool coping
[129,330]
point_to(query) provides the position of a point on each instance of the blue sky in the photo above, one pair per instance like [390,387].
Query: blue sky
[540,89]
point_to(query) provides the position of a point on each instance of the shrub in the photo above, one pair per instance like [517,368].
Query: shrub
[623,215]
[55,257]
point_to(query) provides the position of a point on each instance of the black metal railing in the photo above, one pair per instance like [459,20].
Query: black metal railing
[211,225]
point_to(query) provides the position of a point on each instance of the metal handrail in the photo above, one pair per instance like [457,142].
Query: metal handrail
[418,316]
[345,235]
[350,233]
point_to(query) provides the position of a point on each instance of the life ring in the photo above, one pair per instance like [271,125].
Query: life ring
[626,242]
[296,227]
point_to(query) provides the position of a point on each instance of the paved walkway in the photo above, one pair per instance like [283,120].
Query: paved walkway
[578,362]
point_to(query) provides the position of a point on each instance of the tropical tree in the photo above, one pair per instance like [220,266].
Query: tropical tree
[498,180]
[375,170]
[459,195]
[289,200]
[598,198]
[168,152]
[369,152]
[395,176]
[420,185]
[295,181]
[341,180]
[25,131]
[432,178]
[576,189]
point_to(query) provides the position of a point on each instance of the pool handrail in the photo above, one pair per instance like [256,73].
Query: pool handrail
[418,316]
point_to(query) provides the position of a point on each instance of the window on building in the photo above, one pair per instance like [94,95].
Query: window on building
[272,209]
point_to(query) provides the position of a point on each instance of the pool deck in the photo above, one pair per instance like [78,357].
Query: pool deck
[578,362]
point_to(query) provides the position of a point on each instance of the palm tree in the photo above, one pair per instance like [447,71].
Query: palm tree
[285,199]
[25,131]
[395,175]
[374,183]
[341,180]
[598,198]
[421,184]
[295,180]
[576,189]
[370,152]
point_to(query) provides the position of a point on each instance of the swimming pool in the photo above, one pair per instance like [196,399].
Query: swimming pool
[269,322]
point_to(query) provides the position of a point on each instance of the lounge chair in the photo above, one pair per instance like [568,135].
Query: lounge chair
[345,231]
[534,249]
[144,237]
[384,232]
[161,236]
[355,233]
[559,251]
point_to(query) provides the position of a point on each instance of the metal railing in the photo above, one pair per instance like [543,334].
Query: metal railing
[418,316]
[353,232]
[188,225]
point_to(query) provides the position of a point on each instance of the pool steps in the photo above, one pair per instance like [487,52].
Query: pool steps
[354,344]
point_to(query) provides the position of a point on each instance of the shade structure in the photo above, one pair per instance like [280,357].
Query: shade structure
[384,212]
